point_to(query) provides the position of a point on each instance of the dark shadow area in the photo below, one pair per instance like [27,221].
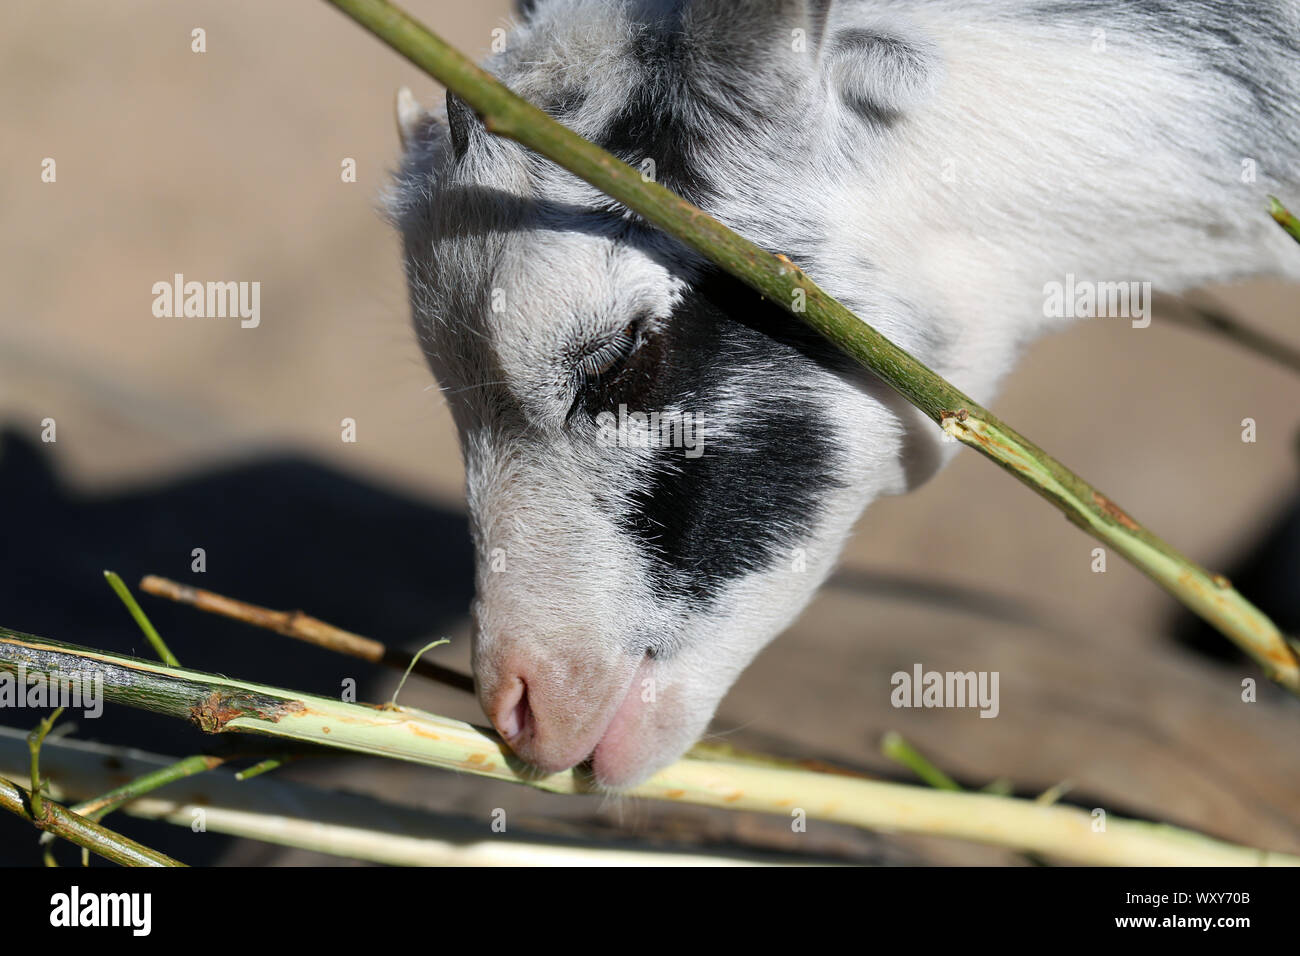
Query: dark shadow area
[949,596]
[1267,572]
[283,532]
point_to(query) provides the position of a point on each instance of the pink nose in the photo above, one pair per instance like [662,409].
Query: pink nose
[551,712]
[548,745]
[510,712]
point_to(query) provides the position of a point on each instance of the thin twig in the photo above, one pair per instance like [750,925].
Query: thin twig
[150,632]
[303,627]
[77,829]
[1284,218]
[392,701]
[99,807]
[41,809]
[34,741]
[265,766]
[106,803]
[896,748]
[1211,596]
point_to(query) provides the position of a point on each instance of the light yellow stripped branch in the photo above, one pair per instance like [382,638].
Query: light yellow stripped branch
[220,705]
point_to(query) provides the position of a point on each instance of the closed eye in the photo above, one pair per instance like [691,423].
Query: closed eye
[604,359]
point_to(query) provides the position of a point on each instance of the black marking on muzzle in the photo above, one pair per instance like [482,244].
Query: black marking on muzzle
[756,492]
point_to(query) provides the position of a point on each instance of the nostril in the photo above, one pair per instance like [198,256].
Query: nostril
[512,711]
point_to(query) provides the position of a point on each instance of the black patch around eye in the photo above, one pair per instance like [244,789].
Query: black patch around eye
[629,383]
[754,494]
[604,359]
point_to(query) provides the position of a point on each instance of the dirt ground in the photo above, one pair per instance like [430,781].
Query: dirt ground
[226,165]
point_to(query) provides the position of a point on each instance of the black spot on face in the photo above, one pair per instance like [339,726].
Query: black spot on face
[756,492]
[691,94]
[656,122]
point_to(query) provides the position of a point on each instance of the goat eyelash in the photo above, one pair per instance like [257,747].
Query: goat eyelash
[609,355]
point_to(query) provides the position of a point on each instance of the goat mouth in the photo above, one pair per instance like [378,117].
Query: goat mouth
[605,739]
[620,741]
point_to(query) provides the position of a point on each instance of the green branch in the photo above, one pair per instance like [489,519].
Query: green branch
[1284,218]
[61,821]
[34,741]
[1211,596]
[894,746]
[141,619]
[98,807]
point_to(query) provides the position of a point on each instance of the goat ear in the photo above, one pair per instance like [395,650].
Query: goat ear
[415,123]
[412,118]
[883,68]
[460,121]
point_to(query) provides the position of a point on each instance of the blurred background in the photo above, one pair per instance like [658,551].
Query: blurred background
[175,434]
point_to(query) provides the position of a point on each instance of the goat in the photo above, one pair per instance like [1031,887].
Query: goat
[939,166]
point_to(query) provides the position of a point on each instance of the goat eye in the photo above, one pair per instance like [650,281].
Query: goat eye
[607,357]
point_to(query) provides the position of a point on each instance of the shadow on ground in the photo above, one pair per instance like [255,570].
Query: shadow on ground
[284,532]
[1266,569]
